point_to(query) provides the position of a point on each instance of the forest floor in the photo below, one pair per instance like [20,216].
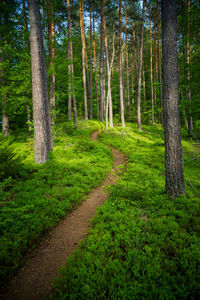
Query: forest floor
[35,278]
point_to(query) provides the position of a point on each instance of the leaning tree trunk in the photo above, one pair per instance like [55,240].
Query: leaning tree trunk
[72,98]
[41,112]
[121,90]
[95,66]
[83,57]
[140,71]
[51,38]
[173,150]
[151,69]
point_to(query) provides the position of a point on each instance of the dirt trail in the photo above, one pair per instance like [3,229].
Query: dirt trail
[34,279]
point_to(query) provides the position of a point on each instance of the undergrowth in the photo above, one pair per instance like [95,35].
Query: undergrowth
[142,244]
[33,198]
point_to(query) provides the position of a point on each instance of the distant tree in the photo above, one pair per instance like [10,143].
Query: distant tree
[140,70]
[83,57]
[71,90]
[41,112]
[121,87]
[173,150]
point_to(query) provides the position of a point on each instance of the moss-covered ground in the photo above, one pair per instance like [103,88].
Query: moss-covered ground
[142,244]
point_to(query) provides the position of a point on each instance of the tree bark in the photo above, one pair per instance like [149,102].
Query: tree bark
[155,66]
[91,111]
[102,92]
[71,71]
[28,110]
[173,150]
[41,112]
[127,69]
[159,65]
[83,57]
[189,96]
[121,90]
[95,66]
[144,85]
[140,71]
[51,40]
[109,68]
[151,69]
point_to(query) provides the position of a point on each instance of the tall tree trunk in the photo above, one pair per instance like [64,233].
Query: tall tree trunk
[127,70]
[5,117]
[155,66]
[102,91]
[144,84]
[121,90]
[91,111]
[135,49]
[132,76]
[28,111]
[71,70]
[95,66]
[109,67]
[140,71]
[151,69]
[159,65]
[173,150]
[83,57]
[51,39]
[189,97]
[41,112]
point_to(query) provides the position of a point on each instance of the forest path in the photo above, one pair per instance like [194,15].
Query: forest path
[34,279]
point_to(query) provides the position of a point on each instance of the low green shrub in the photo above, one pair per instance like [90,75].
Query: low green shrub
[32,205]
[142,244]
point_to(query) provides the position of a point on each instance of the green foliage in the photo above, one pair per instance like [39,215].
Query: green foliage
[31,206]
[143,244]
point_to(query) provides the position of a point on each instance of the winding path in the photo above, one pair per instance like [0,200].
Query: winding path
[34,279]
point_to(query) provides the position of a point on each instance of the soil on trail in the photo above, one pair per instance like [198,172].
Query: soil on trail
[34,279]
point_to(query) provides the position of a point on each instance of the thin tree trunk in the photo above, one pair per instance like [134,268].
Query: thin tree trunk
[95,66]
[102,93]
[135,49]
[140,71]
[132,76]
[51,38]
[5,120]
[144,84]
[159,65]
[155,66]
[121,90]
[41,112]
[28,111]
[151,71]
[72,98]
[173,150]
[189,96]
[83,57]
[91,112]
[109,67]
[127,70]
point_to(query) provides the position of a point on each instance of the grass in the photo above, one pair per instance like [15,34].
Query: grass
[33,198]
[142,244]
